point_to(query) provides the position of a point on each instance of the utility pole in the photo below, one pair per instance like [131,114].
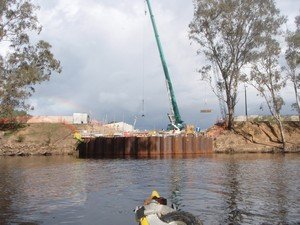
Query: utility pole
[246,106]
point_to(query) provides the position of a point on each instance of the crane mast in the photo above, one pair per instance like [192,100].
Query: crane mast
[174,116]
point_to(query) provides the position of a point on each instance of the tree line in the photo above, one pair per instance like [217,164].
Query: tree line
[240,40]
[23,64]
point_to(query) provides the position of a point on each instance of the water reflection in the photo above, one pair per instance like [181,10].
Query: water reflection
[177,171]
[232,189]
[7,190]
[28,184]
[261,189]
[280,189]
[220,189]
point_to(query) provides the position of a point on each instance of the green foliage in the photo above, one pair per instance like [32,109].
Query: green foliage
[15,113]
[232,34]
[292,56]
[260,119]
[11,126]
[296,108]
[20,138]
[25,64]
[267,78]
[10,121]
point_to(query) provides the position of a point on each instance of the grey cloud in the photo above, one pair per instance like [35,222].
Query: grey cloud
[107,49]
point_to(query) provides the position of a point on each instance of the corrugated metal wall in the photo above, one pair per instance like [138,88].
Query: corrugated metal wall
[145,147]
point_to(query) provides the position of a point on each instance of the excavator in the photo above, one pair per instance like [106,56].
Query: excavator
[176,122]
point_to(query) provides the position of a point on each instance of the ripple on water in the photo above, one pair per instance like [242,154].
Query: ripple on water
[221,189]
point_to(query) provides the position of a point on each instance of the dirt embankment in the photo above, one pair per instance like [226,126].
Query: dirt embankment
[252,137]
[57,139]
[42,139]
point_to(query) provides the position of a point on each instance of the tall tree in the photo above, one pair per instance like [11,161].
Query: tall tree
[266,77]
[24,64]
[292,56]
[231,34]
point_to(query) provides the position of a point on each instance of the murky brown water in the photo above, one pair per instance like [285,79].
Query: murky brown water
[221,189]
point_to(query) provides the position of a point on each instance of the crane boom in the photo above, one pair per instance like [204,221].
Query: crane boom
[174,117]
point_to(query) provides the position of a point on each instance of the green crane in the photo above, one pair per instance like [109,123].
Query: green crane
[174,116]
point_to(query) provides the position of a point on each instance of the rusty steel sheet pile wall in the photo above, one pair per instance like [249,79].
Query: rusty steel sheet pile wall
[145,147]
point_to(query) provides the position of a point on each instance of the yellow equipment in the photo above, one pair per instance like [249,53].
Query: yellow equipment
[190,129]
[155,211]
[78,137]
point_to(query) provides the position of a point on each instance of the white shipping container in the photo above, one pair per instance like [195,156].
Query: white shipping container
[81,118]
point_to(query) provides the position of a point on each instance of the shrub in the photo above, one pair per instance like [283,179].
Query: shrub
[20,138]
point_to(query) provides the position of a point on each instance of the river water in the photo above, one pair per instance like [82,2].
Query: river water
[219,189]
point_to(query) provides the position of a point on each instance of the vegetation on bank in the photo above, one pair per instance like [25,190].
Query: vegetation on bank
[58,139]
[23,62]
[240,40]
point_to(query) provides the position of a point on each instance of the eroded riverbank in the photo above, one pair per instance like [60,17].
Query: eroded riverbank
[256,137]
[57,139]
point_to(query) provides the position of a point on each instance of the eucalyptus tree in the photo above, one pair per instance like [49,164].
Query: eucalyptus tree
[267,78]
[23,64]
[231,34]
[292,56]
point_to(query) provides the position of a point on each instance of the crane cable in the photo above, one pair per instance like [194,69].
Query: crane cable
[141,111]
[143,61]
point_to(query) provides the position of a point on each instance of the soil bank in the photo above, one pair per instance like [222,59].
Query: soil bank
[43,139]
[255,137]
[57,139]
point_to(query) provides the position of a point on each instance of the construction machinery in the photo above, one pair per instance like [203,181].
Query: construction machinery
[176,122]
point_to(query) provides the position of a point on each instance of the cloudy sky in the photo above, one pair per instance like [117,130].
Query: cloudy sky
[111,63]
